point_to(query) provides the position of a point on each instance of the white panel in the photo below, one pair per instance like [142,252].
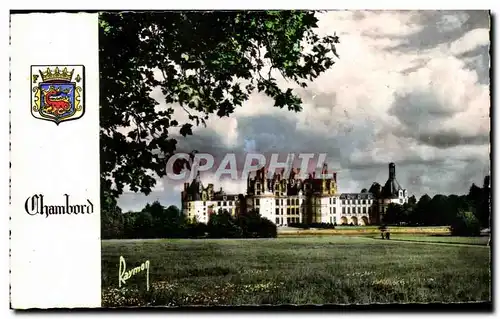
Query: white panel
[55,259]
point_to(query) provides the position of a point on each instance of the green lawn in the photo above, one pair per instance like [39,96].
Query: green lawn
[307,270]
[483,240]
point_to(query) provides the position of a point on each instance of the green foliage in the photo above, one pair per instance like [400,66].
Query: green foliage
[208,63]
[112,218]
[256,226]
[393,214]
[222,225]
[156,221]
[465,224]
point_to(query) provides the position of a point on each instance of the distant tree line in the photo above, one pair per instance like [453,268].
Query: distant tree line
[465,214]
[157,221]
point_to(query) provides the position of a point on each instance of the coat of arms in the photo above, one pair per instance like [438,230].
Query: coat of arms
[57,92]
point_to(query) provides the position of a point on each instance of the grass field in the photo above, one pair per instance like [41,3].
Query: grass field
[483,240]
[306,270]
[362,230]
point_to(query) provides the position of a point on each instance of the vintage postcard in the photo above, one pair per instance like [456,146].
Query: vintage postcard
[251,159]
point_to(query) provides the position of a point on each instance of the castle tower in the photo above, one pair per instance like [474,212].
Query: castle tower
[392,171]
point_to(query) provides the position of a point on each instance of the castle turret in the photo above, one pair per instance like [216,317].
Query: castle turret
[392,171]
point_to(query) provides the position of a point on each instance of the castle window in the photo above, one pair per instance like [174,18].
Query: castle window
[218,203]
[281,202]
[364,210]
[204,203]
[333,201]
[224,204]
[277,211]
[277,202]
[330,211]
[334,210]
[277,220]
[343,202]
[348,210]
[257,201]
[343,210]
[288,201]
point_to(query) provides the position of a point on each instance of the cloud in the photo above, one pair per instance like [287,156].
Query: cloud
[410,87]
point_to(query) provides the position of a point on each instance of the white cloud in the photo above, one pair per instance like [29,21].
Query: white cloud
[470,41]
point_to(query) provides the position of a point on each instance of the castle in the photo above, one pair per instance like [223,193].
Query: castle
[295,200]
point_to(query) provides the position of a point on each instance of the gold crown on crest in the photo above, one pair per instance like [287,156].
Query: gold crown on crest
[57,75]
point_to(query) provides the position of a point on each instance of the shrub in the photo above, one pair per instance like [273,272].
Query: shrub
[299,225]
[465,224]
[222,225]
[196,230]
[253,225]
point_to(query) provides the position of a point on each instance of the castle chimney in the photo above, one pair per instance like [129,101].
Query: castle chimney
[392,171]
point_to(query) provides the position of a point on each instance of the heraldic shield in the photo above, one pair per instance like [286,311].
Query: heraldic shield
[57,92]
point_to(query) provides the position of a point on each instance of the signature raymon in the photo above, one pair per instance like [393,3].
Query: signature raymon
[124,275]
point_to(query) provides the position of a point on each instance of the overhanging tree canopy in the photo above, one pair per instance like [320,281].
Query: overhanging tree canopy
[210,62]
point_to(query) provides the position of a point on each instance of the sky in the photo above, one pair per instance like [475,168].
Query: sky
[410,87]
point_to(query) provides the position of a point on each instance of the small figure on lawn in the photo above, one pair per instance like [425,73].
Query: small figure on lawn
[387,235]
[383,230]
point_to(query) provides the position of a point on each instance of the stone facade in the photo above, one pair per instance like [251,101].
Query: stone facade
[294,200]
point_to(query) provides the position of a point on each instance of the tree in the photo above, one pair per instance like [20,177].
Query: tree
[254,225]
[222,225]
[393,214]
[422,210]
[412,200]
[485,214]
[439,211]
[166,222]
[112,222]
[465,224]
[206,62]
[129,225]
[144,225]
